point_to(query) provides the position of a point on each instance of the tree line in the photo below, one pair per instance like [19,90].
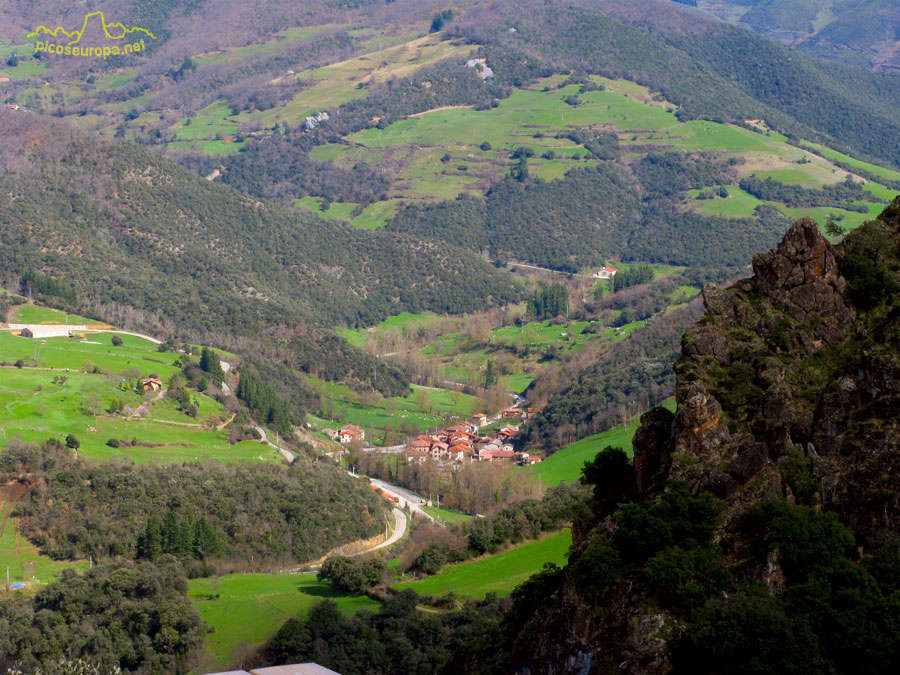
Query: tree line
[841,195]
[549,302]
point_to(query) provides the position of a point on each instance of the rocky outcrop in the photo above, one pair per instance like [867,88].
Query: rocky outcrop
[651,451]
[802,278]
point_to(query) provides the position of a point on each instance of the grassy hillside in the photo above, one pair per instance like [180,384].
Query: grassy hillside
[566,464]
[499,573]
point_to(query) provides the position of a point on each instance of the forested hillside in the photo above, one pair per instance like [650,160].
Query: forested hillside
[148,244]
[249,517]
[858,32]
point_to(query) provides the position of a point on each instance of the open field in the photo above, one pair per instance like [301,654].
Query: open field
[499,573]
[250,608]
[533,118]
[45,315]
[396,324]
[566,464]
[424,408]
[96,348]
[33,408]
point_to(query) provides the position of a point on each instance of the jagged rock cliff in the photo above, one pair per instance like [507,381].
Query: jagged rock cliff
[788,393]
[787,360]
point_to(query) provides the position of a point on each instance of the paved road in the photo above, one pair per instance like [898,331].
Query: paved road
[287,454]
[407,498]
[398,533]
[544,269]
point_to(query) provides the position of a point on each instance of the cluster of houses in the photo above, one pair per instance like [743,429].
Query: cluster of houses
[462,443]
[456,444]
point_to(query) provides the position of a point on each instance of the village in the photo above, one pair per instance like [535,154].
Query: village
[457,444]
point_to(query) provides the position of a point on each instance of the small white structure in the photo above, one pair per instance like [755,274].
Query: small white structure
[38,331]
[606,273]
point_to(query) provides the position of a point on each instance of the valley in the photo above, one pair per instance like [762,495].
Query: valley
[408,337]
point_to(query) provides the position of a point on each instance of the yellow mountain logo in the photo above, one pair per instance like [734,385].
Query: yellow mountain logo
[68,43]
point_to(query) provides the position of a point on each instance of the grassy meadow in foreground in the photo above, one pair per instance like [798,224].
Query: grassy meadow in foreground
[247,609]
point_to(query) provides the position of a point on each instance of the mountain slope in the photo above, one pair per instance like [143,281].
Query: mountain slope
[150,244]
[858,32]
[710,69]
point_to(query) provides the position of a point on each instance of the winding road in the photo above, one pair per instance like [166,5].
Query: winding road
[287,454]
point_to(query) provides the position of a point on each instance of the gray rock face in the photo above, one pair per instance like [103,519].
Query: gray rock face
[802,277]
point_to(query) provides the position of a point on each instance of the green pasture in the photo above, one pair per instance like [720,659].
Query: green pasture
[328,152]
[738,204]
[541,333]
[46,315]
[376,215]
[34,409]
[518,382]
[499,573]
[849,221]
[336,211]
[566,464]
[248,609]
[213,120]
[26,68]
[396,323]
[622,332]
[532,118]
[839,156]
[424,408]
[117,79]
[96,348]
[448,516]
[794,177]
[683,294]
[22,558]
